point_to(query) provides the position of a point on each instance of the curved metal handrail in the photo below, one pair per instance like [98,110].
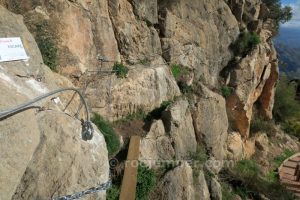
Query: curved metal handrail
[87,128]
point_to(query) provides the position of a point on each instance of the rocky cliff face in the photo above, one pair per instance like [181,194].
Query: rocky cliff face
[42,153]
[148,37]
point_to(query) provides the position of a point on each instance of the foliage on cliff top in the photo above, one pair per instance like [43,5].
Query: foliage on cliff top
[277,12]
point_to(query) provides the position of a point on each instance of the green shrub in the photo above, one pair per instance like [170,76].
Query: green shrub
[227,193]
[292,127]
[146,181]
[139,115]
[111,138]
[247,169]
[277,12]
[245,42]
[285,154]
[201,78]
[249,182]
[46,41]
[113,193]
[258,124]
[144,61]
[120,70]
[272,177]
[178,71]
[200,154]
[226,91]
[185,89]
[286,107]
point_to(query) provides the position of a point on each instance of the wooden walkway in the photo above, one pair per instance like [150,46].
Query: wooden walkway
[128,188]
[289,173]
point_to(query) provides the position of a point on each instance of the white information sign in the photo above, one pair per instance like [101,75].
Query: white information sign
[12,49]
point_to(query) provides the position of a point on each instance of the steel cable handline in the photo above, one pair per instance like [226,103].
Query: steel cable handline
[87,128]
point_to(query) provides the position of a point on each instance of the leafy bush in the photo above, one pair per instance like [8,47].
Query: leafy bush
[111,138]
[178,71]
[146,181]
[277,12]
[285,154]
[46,42]
[226,91]
[292,127]
[286,107]
[245,42]
[227,193]
[138,115]
[200,154]
[247,169]
[113,193]
[120,70]
[249,183]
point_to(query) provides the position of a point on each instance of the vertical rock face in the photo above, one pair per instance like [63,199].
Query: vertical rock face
[254,79]
[198,35]
[147,36]
[81,29]
[179,124]
[201,188]
[62,163]
[42,153]
[173,137]
[146,10]
[137,38]
[235,146]
[143,89]
[157,145]
[266,99]
[210,121]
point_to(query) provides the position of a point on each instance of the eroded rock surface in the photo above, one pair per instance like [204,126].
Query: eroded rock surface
[179,125]
[210,121]
[177,184]
[253,78]
[42,152]
[198,35]
[144,89]
[157,145]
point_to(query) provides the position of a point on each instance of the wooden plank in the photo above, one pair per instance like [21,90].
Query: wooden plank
[290,183]
[287,170]
[290,164]
[295,159]
[288,177]
[129,181]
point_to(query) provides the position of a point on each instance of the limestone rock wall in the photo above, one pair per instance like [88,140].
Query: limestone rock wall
[41,149]
[148,37]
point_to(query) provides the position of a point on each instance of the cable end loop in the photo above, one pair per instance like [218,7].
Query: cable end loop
[87,130]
